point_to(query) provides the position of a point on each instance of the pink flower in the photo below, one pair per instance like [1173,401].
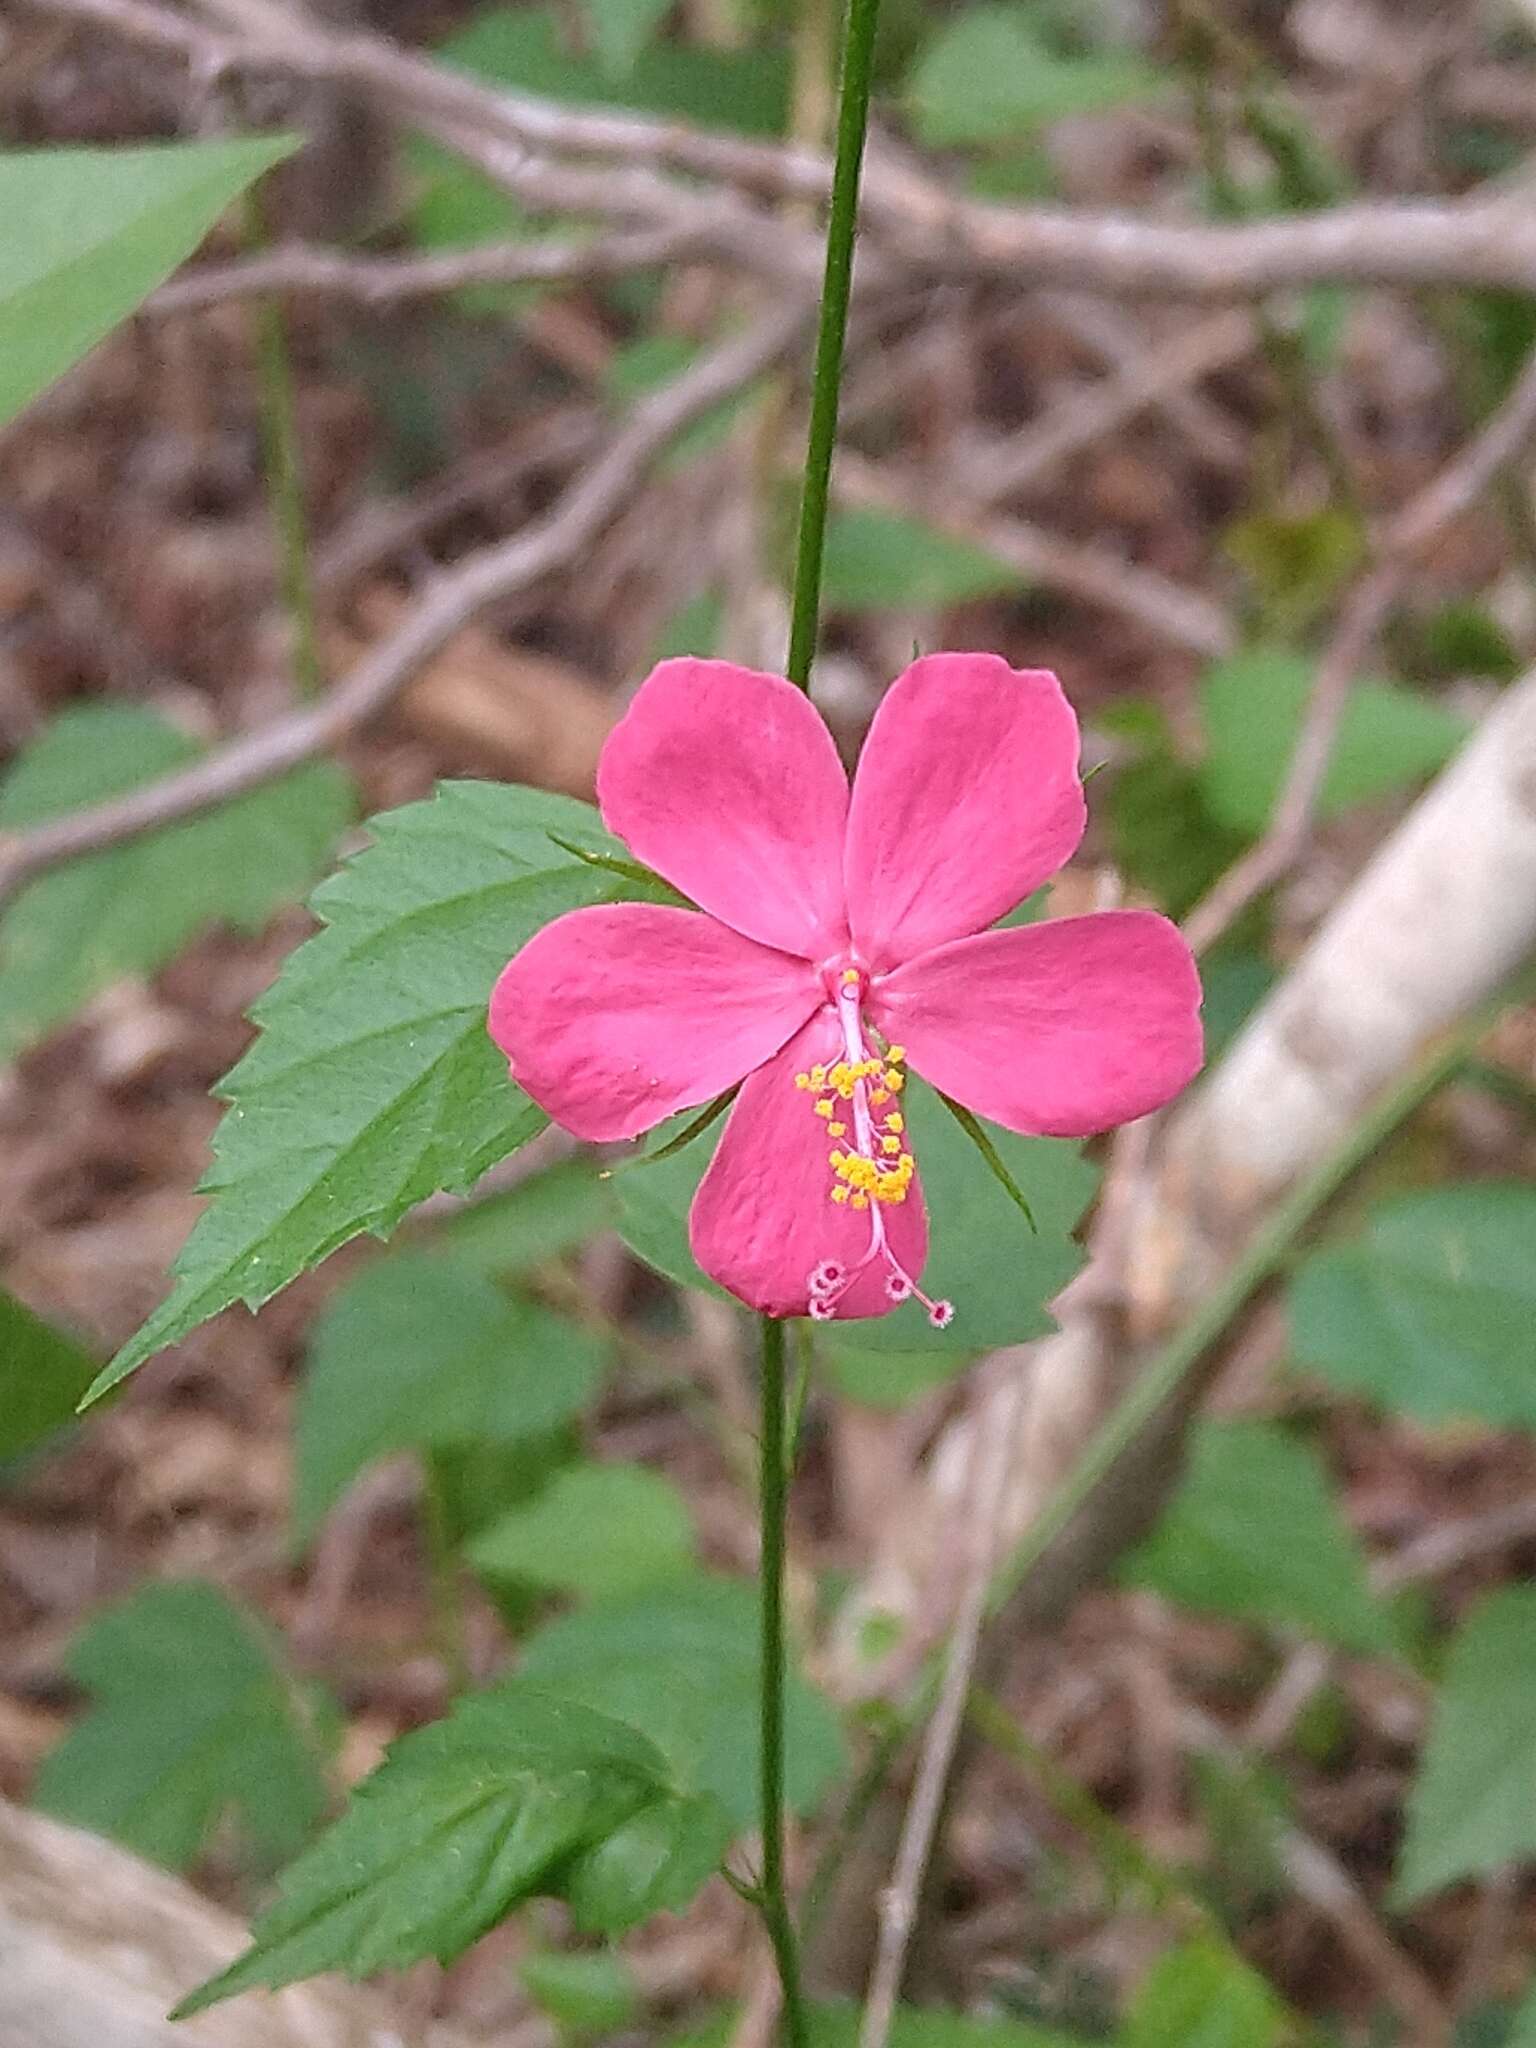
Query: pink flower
[839,936]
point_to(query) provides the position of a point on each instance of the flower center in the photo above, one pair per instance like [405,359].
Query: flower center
[859,1099]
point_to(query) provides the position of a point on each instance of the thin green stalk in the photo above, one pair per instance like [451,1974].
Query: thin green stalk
[773,1901]
[285,480]
[842,225]
[805,612]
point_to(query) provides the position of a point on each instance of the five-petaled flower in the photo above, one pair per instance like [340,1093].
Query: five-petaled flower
[839,937]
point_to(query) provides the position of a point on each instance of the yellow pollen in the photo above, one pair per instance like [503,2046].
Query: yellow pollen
[850,977]
[835,1130]
[840,1192]
[860,1201]
[895,1121]
[890,1145]
[823,1108]
[895,1054]
[894,1081]
[802,1080]
[878,1096]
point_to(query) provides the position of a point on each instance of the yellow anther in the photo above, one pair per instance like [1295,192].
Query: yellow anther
[840,1193]
[860,1201]
[822,1108]
[894,1080]
[835,1130]
[818,1077]
[878,1097]
[895,1054]
[802,1080]
[890,1145]
[850,977]
[895,1121]
[835,1160]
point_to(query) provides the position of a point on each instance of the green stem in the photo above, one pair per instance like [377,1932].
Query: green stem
[842,225]
[805,613]
[285,480]
[772,1897]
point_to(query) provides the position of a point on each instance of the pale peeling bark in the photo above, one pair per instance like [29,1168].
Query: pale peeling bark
[1433,926]
[95,1946]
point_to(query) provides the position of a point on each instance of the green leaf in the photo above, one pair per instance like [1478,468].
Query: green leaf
[193,1716]
[43,1373]
[1202,1995]
[987,77]
[654,1863]
[1522,2025]
[91,232]
[130,910]
[421,1352]
[549,1213]
[1254,1532]
[1253,705]
[594,1530]
[583,1993]
[1161,833]
[620,30]
[1473,1804]
[837,2026]
[887,1379]
[746,90]
[882,561]
[461,1822]
[982,1255]
[1433,1313]
[373,1083]
[680,1662]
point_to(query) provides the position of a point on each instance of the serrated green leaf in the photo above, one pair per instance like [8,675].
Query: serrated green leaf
[1253,704]
[1254,1532]
[192,1716]
[583,1992]
[595,1530]
[988,77]
[130,910]
[680,1661]
[91,232]
[421,1352]
[883,561]
[1433,1313]
[654,1863]
[460,1823]
[43,1373]
[1473,1804]
[982,1255]
[1202,1995]
[373,1082]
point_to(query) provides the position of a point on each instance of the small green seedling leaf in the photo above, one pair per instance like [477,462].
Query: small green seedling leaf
[192,1716]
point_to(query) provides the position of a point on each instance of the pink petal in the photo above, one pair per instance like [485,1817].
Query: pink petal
[1058,1029]
[726,781]
[966,798]
[763,1218]
[615,1016]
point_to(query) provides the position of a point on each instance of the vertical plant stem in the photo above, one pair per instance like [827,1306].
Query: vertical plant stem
[842,224]
[805,610]
[285,479]
[773,1899]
